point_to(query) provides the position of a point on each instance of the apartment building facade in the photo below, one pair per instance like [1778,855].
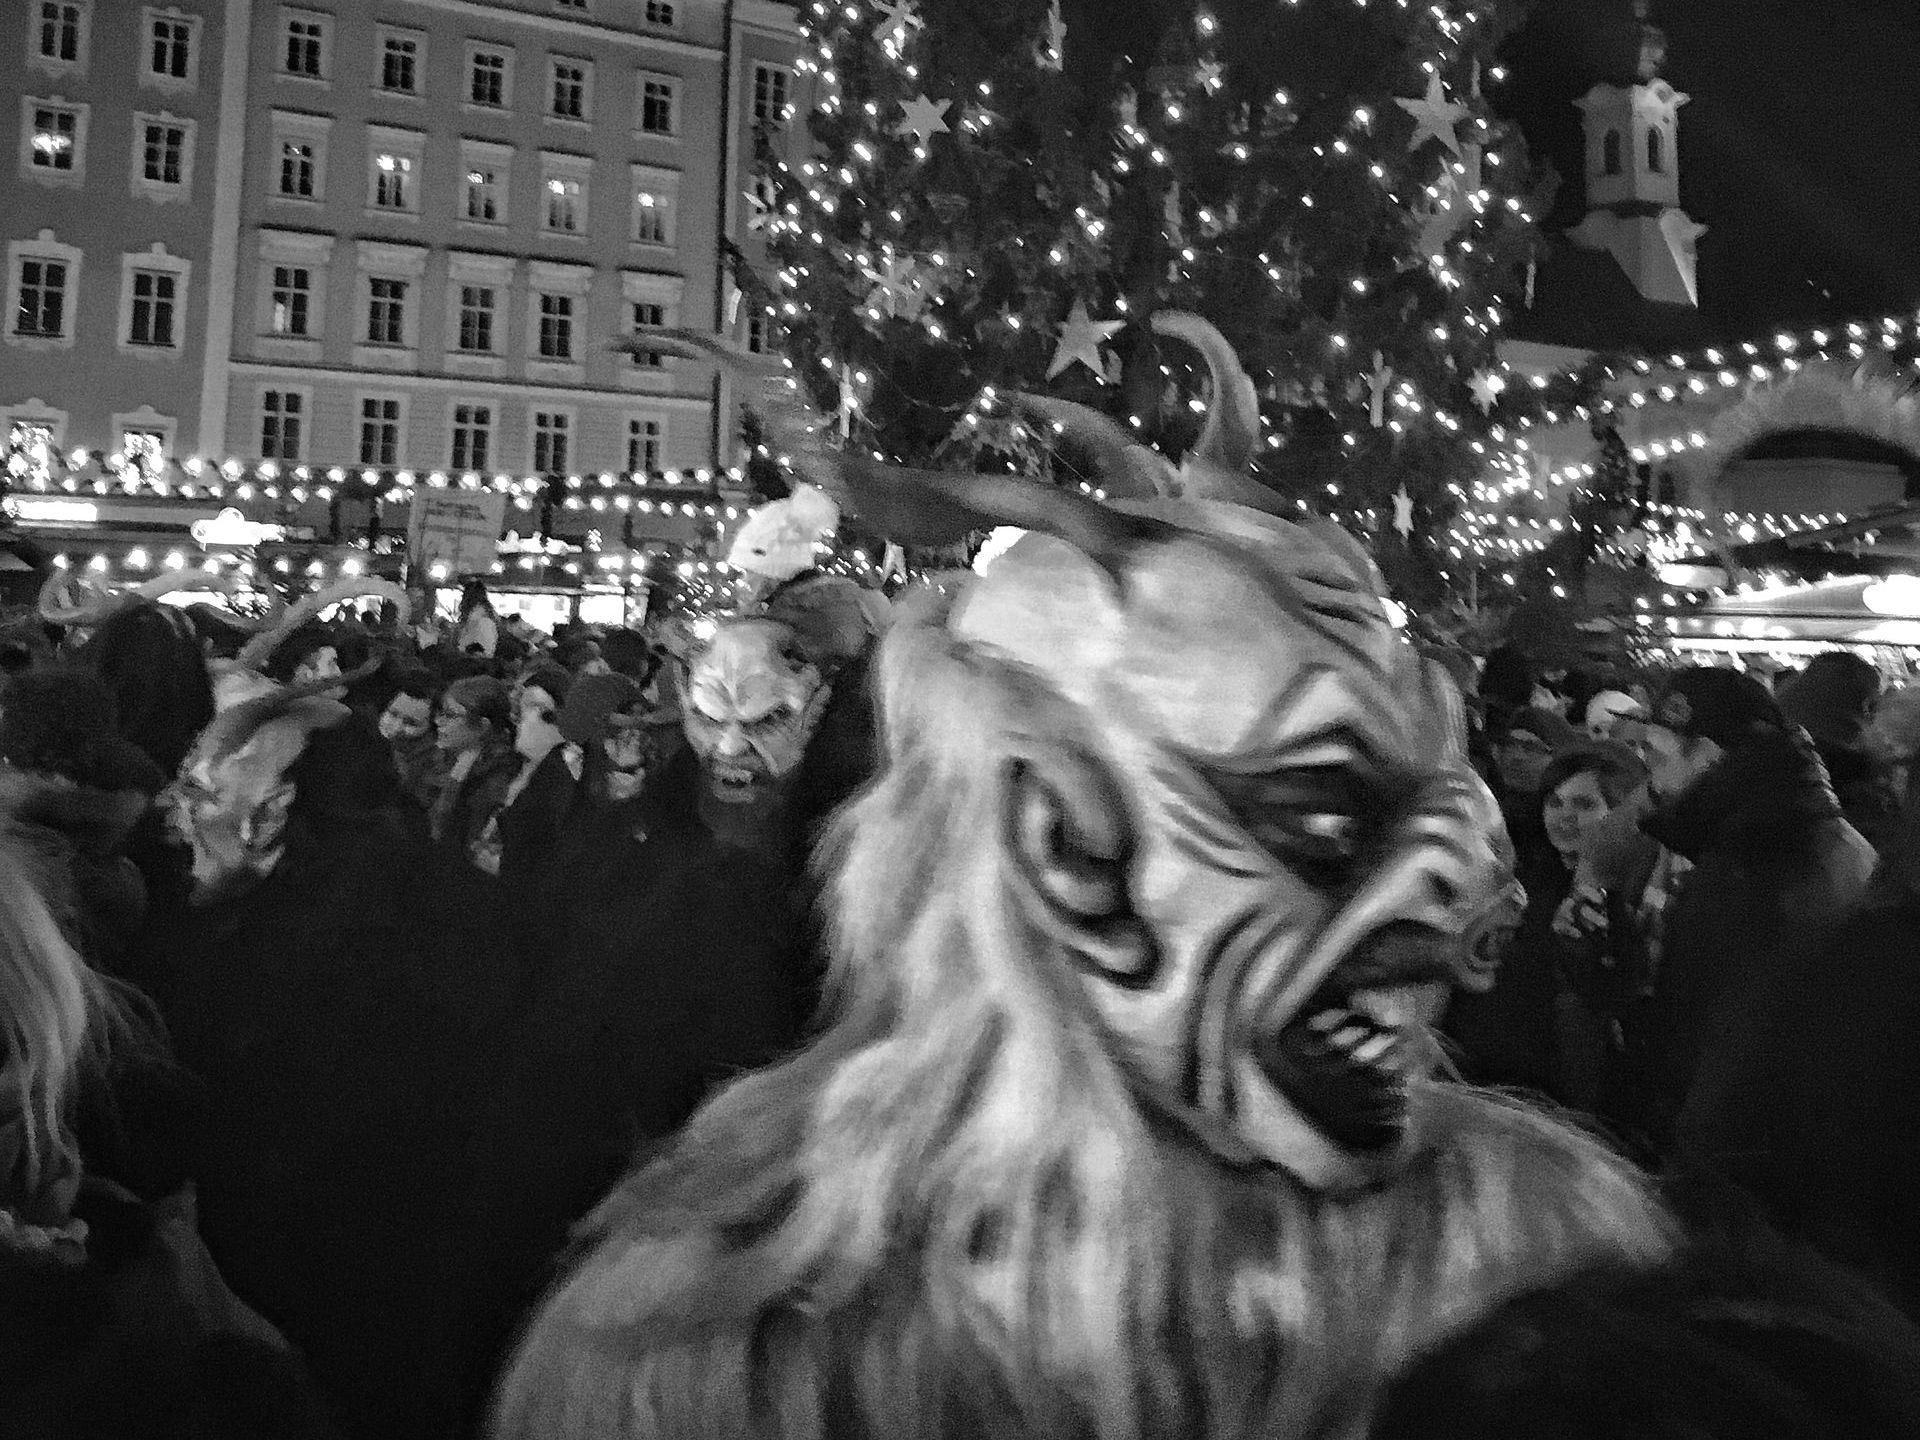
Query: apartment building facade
[434,221]
[112,193]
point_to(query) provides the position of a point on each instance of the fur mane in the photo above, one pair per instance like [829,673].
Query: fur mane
[955,1216]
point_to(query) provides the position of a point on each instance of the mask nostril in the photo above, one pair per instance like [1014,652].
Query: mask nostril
[1446,890]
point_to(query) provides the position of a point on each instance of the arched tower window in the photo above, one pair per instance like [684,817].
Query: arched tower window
[1610,153]
[1656,152]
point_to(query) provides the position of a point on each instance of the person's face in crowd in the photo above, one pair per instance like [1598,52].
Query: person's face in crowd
[539,730]
[456,729]
[1677,761]
[407,717]
[1631,732]
[322,664]
[750,709]
[1570,809]
[627,743]
[1545,697]
[1521,758]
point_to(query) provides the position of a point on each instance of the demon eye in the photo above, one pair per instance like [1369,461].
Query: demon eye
[1319,821]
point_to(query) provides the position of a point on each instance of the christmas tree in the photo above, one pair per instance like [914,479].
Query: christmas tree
[993,195]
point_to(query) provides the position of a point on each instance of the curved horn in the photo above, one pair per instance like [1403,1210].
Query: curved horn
[791,424]
[1128,469]
[67,598]
[1232,430]
[255,652]
[930,507]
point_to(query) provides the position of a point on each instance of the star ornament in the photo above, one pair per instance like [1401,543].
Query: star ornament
[1080,340]
[1403,512]
[898,22]
[923,118]
[1486,387]
[1051,54]
[896,288]
[1434,117]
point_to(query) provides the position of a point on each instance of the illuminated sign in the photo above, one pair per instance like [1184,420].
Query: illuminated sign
[32,510]
[230,527]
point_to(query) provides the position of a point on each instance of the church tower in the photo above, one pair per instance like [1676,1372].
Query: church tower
[1633,177]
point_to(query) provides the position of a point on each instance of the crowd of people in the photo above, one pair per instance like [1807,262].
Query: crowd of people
[344,968]
[357,960]
[1715,962]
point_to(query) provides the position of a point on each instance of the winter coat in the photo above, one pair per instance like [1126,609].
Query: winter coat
[342,1020]
[1505,1036]
[676,967]
[80,833]
[1775,867]
[465,808]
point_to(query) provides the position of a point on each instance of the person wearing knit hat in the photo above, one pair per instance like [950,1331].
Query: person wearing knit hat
[1739,793]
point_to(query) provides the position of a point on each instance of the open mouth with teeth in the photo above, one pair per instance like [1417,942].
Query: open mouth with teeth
[732,782]
[1346,1059]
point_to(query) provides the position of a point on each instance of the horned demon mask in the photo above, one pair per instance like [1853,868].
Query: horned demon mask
[1272,848]
[752,704]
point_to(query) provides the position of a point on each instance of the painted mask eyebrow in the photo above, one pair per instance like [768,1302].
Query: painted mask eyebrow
[1318,719]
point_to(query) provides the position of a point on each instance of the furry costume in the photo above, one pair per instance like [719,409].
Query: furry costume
[1124,1127]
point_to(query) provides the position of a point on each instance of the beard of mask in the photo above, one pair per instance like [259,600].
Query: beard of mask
[751,708]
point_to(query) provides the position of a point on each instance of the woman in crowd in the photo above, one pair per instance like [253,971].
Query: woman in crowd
[1527,1030]
[475,731]
[527,829]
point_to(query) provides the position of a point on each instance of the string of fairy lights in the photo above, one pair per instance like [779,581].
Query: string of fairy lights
[797,211]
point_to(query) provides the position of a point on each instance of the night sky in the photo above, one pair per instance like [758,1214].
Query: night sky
[1800,148]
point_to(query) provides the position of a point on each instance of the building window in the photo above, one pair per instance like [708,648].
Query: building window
[305,51]
[550,431]
[41,309]
[649,315]
[170,48]
[657,104]
[659,12]
[62,31]
[163,152]
[281,414]
[380,430]
[652,218]
[566,205]
[290,298]
[393,187]
[298,169]
[759,332]
[770,95]
[556,327]
[151,319]
[489,75]
[399,63]
[1656,152]
[476,319]
[386,311]
[483,195]
[570,4]
[646,437]
[571,82]
[1610,153]
[472,437]
[145,450]
[53,145]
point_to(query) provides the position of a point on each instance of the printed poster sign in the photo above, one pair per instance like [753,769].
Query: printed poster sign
[457,529]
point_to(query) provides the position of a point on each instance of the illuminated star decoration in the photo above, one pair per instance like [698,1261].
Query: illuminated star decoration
[896,288]
[1080,341]
[1486,387]
[900,19]
[1211,74]
[923,118]
[1434,117]
[1052,52]
[1403,511]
